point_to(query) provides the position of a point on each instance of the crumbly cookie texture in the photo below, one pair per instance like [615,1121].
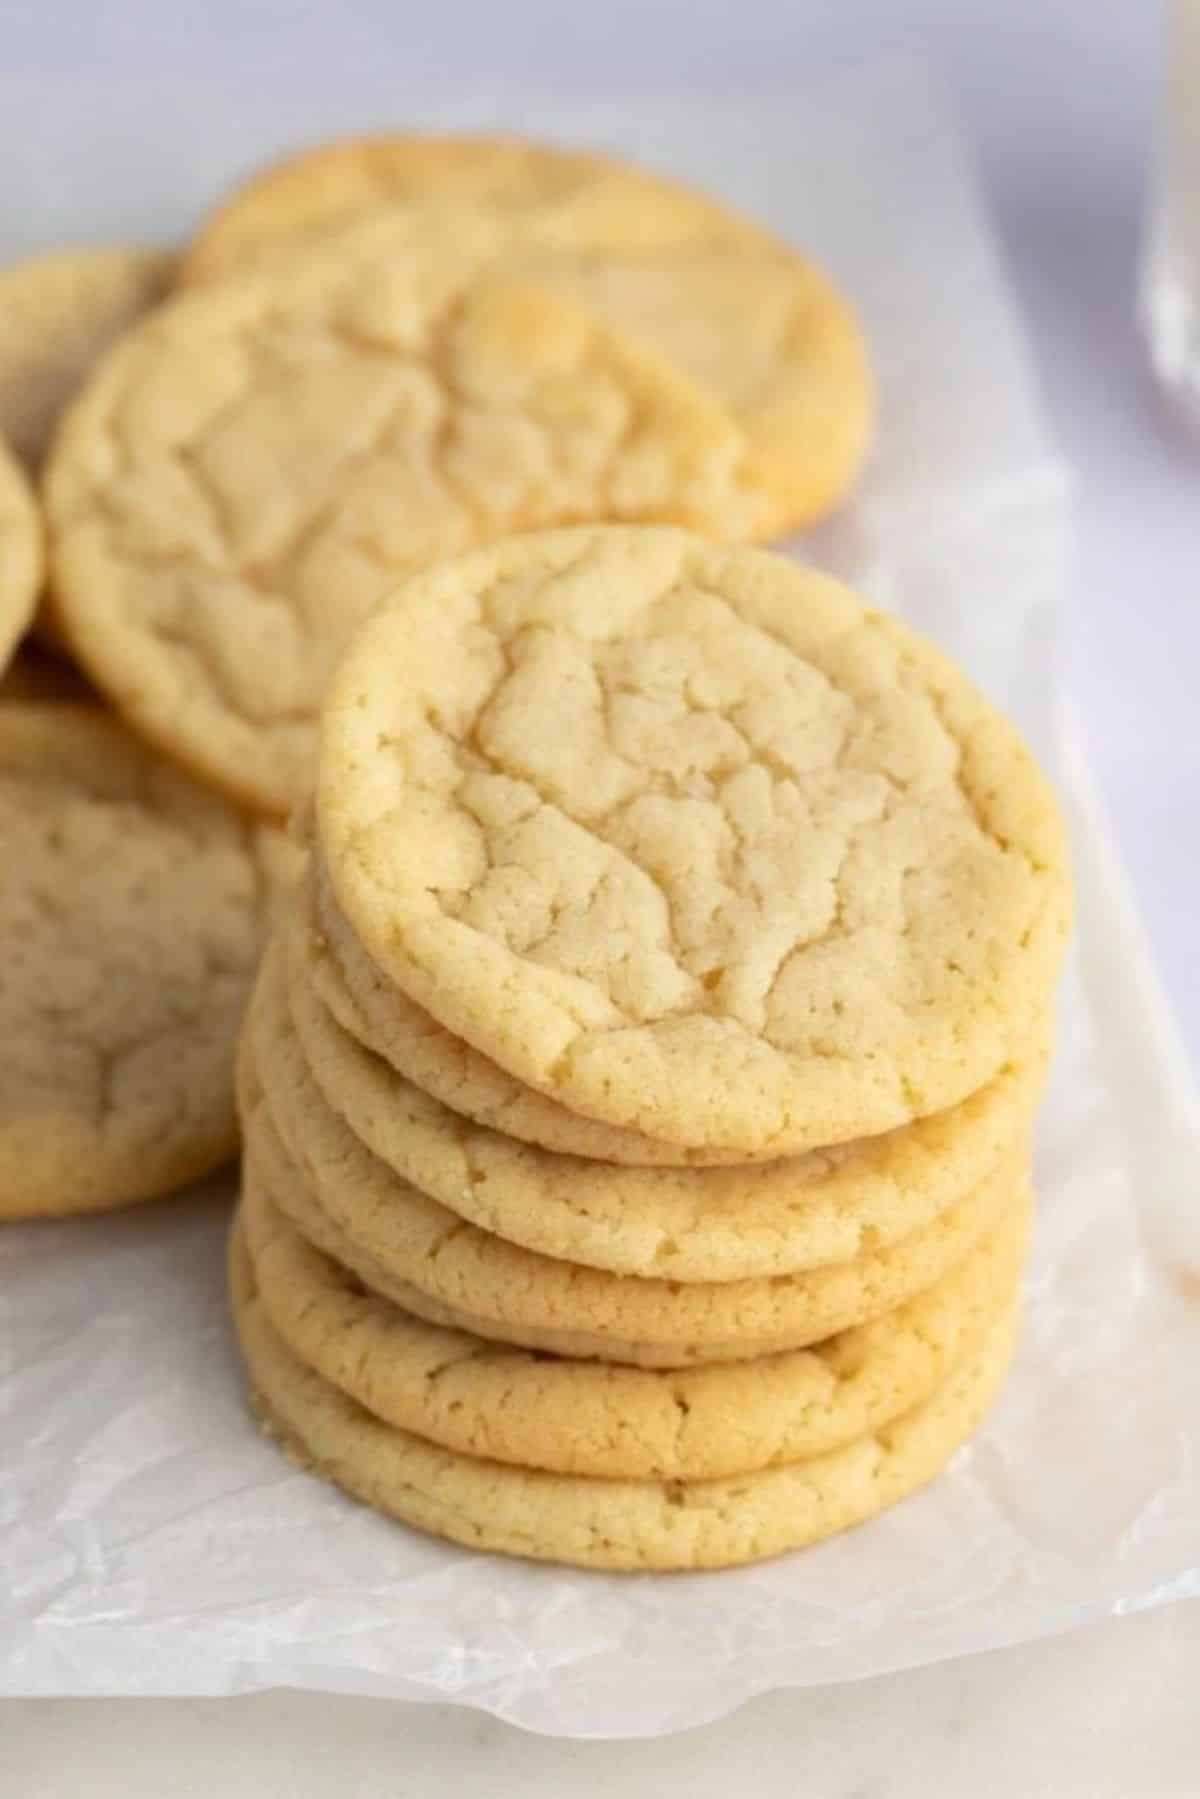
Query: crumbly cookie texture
[754,323]
[250,471]
[699,1224]
[617,1524]
[58,314]
[20,555]
[578,1417]
[691,840]
[308,1157]
[131,909]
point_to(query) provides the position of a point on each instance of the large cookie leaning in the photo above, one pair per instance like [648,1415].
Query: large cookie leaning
[704,1224]
[691,840]
[254,467]
[584,1417]
[603,1523]
[131,912]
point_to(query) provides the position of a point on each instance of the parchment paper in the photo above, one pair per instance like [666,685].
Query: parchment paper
[152,1543]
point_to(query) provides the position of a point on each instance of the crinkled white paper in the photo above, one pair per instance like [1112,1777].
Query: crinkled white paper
[152,1543]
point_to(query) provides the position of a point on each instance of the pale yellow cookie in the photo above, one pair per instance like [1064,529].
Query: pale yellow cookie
[58,314]
[130,913]
[691,840]
[618,1524]
[754,323]
[696,1224]
[20,555]
[585,1417]
[252,469]
[305,1153]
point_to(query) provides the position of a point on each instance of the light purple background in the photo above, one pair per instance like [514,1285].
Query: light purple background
[1058,100]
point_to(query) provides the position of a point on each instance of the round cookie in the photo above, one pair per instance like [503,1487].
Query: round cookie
[131,906]
[295,1141]
[583,1417]
[615,1524]
[691,840]
[58,314]
[752,322]
[20,555]
[691,1224]
[254,467]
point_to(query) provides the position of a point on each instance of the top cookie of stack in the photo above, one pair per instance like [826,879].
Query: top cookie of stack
[691,842]
[392,352]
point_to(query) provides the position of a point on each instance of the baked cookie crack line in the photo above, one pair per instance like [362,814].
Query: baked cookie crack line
[928,691]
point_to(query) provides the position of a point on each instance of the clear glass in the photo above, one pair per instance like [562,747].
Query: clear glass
[1170,282]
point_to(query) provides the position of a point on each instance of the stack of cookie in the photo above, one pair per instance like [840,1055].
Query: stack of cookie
[637,1092]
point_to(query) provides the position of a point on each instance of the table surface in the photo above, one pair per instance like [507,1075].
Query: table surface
[1059,102]
[1108,1713]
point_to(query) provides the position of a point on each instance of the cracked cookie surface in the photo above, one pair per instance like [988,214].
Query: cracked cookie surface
[262,460]
[20,554]
[579,1417]
[691,840]
[617,1524]
[320,1174]
[701,1224]
[131,906]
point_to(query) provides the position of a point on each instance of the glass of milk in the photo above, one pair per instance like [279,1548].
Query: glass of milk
[1169,298]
